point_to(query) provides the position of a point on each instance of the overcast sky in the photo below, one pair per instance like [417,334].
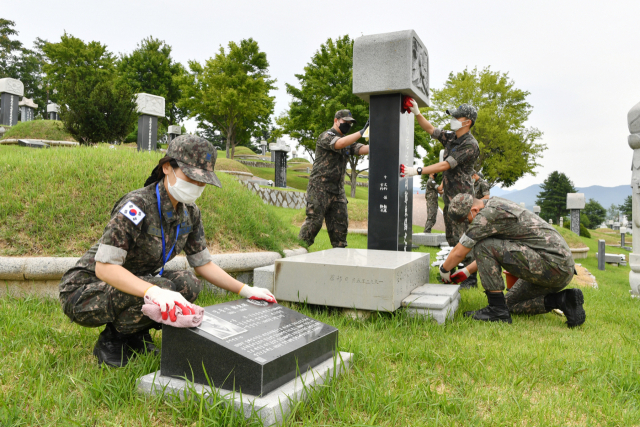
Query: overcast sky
[579,59]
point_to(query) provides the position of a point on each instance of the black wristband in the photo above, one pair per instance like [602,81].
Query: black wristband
[442,269]
[419,170]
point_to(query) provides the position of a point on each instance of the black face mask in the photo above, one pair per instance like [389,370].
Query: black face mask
[344,128]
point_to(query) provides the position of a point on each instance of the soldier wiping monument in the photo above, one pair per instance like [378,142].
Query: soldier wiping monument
[326,199]
[501,235]
[461,151]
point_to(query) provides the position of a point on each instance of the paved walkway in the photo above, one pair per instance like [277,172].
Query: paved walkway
[420,213]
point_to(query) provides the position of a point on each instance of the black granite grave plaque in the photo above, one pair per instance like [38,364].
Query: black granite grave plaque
[147,133]
[246,345]
[390,197]
[281,169]
[32,143]
[9,109]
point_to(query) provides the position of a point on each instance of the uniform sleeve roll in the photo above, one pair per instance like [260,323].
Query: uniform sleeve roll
[199,259]
[108,254]
[467,241]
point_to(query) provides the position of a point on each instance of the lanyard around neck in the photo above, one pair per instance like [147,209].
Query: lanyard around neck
[165,258]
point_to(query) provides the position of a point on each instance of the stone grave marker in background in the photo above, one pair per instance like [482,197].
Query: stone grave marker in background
[633,121]
[523,205]
[600,254]
[623,231]
[263,147]
[27,109]
[551,221]
[11,90]
[279,151]
[173,131]
[386,67]
[150,107]
[53,111]
[610,224]
[536,210]
[616,226]
[561,222]
[575,203]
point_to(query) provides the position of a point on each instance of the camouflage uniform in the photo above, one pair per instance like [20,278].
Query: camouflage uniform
[326,199]
[431,196]
[505,235]
[90,302]
[481,189]
[461,153]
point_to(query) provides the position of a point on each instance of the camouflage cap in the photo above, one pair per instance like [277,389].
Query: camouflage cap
[460,206]
[465,110]
[479,174]
[345,115]
[196,157]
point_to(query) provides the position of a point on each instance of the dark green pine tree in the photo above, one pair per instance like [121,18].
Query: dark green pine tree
[595,212]
[553,197]
[626,207]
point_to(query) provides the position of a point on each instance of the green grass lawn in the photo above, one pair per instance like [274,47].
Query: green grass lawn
[57,202]
[39,129]
[406,372]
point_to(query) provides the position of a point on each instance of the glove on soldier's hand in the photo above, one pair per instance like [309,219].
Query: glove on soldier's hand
[460,276]
[254,292]
[414,107]
[167,301]
[445,275]
[364,128]
[407,171]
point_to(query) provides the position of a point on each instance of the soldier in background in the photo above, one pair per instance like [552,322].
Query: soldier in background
[505,235]
[431,197]
[326,199]
[481,188]
[461,151]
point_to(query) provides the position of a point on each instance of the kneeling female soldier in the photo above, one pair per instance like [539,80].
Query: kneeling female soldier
[148,228]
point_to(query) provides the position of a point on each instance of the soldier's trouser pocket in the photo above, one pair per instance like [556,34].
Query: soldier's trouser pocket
[89,305]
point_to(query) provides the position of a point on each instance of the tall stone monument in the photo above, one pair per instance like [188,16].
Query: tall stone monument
[173,131]
[279,150]
[150,107]
[575,203]
[27,109]
[263,147]
[536,210]
[53,111]
[386,67]
[633,119]
[11,90]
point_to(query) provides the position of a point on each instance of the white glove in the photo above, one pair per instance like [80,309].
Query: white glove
[414,107]
[254,292]
[445,275]
[407,171]
[166,299]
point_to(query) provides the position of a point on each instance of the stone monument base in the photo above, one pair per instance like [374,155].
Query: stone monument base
[437,302]
[429,239]
[271,408]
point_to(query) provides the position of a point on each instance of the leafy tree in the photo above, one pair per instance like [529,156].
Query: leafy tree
[508,149]
[230,93]
[626,208]
[553,197]
[594,212]
[94,107]
[151,69]
[9,48]
[613,213]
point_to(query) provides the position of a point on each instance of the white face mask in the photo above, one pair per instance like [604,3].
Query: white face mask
[183,191]
[455,124]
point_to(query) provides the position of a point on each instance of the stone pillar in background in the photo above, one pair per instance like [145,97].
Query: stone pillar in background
[601,254]
[173,131]
[575,202]
[53,111]
[551,221]
[616,226]
[610,224]
[11,90]
[633,120]
[150,107]
[279,150]
[561,222]
[386,67]
[536,210]
[263,147]
[523,205]
[27,109]
[623,231]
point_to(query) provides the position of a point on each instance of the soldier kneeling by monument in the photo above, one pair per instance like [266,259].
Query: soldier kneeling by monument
[502,234]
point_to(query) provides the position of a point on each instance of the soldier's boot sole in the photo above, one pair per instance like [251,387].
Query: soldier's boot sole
[111,358]
[490,314]
[572,307]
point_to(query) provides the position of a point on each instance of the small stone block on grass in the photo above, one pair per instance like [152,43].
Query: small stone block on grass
[429,239]
[452,291]
[439,315]
[263,277]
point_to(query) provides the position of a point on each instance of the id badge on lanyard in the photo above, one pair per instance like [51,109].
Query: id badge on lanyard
[165,258]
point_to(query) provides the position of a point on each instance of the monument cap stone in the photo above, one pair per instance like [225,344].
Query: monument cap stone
[536,209]
[575,201]
[26,102]
[174,130]
[389,63]
[12,86]
[151,105]
[279,145]
[53,108]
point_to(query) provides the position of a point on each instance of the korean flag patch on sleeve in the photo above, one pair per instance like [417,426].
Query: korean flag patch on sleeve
[132,212]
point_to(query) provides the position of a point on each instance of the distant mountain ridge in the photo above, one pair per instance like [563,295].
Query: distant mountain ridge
[604,195]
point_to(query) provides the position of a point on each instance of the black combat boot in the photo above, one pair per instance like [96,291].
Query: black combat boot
[111,348]
[142,343]
[496,311]
[470,282]
[570,301]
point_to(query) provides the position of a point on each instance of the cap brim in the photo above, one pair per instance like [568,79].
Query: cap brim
[349,119]
[199,175]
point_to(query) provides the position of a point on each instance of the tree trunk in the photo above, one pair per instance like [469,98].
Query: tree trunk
[353,162]
[228,141]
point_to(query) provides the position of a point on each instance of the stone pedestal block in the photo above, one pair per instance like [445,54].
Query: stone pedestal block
[27,109]
[536,210]
[53,111]
[263,277]
[363,279]
[391,63]
[438,302]
[429,239]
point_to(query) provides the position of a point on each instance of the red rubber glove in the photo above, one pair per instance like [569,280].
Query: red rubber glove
[460,276]
[408,171]
[406,104]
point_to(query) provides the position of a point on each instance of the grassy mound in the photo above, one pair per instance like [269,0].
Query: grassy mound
[299,159]
[39,129]
[57,202]
[572,239]
[224,164]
